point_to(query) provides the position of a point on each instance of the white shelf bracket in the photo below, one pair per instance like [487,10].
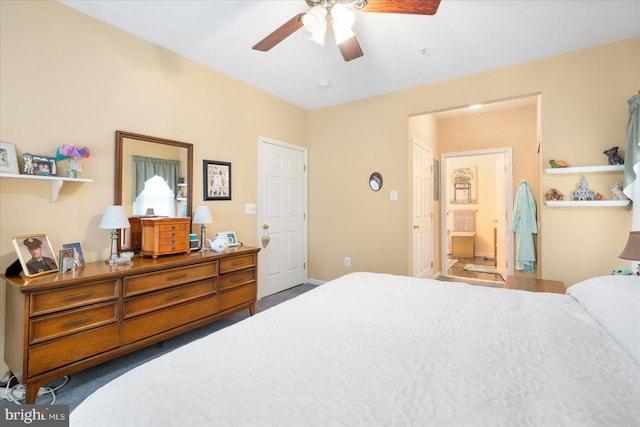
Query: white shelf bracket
[56,185]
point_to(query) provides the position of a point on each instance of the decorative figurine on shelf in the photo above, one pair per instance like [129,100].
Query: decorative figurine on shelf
[73,154]
[558,164]
[554,194]
[616,188]
[614,157]
[583,192]
[599,196]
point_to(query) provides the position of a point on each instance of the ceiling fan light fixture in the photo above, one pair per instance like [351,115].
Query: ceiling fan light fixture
[343,20]
[315,23]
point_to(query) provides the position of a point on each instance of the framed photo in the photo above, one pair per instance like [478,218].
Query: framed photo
[67,261]
[230,236]
[217,180]
[35,254]
[8,158]
[78,256]
[39,165]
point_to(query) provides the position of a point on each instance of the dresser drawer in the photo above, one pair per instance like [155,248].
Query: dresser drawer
[160,321]
[237,263]
[237,296]
[233,280]
[172,228]
[142,283]
[173,246]
[168,297]
[58,325]
[75,296]
[53,355]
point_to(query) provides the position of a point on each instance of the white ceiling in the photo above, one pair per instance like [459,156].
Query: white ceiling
[400,51]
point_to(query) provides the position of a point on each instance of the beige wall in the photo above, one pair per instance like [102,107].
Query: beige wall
[584,111]
[67,78]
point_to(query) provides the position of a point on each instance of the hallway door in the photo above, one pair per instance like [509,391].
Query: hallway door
[282,207]
[422,171]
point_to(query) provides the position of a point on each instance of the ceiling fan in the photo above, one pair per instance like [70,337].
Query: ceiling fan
[338,17]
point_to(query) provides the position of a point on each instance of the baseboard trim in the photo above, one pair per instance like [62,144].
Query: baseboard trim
[315,282]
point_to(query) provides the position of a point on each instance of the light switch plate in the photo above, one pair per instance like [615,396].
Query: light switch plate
[394,195]
[250,208]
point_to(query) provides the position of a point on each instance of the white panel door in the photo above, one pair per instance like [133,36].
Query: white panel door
[501,216]
[422,211]
[282,208]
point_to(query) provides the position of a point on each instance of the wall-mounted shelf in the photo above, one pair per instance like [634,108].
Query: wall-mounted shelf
[591,203]
[586,169]
[56,181]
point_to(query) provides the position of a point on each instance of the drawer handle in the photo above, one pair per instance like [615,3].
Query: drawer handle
[236,263]
[77,321]
[177,276]
[237,280]
[78,296]
[174,296]
[173,227]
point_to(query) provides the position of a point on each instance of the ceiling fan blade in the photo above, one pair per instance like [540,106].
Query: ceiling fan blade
[410,7]
[350,49]
[280,33]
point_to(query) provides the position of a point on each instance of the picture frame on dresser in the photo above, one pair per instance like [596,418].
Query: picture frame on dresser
[39,165]
[35,254]
[78,254]
[8,158]
[66,261]
[217,180]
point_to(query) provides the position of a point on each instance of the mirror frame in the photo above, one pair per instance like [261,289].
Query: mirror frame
[121,135]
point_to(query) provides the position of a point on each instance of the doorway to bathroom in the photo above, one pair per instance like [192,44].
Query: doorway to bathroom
[476,206]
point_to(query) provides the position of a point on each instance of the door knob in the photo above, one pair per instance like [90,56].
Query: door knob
[265,237]
[415,227]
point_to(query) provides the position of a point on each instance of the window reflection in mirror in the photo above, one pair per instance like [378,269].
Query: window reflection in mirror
[153,175]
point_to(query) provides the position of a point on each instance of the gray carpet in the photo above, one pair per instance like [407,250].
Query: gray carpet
[83,383]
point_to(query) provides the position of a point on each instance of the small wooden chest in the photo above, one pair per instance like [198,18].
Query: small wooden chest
[164,236]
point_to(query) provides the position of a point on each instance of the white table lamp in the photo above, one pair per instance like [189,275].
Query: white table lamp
[202,216]
[114,218]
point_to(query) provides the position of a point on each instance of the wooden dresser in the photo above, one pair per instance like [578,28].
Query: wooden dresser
[59,324]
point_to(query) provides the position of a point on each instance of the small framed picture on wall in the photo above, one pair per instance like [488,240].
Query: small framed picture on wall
[217,180]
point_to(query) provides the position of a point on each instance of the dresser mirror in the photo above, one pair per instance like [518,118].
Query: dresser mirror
[154,177]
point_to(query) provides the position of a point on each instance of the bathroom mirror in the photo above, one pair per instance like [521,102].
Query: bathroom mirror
[375,181]
[177,159]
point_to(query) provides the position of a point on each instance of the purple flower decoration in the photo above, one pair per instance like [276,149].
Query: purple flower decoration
[70,151]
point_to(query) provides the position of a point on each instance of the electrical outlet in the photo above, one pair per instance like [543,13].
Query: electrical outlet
[347,261]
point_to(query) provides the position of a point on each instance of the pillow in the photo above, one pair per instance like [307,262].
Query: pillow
[614,301]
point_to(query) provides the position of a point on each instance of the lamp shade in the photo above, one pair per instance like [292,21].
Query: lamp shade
[202,216]
[114,217]
[632,249]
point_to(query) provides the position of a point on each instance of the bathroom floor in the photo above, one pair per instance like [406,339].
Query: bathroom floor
[457,269]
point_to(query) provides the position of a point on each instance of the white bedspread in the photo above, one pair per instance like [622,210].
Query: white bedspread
[372,350]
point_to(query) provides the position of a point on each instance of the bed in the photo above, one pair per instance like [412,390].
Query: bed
[372,349]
